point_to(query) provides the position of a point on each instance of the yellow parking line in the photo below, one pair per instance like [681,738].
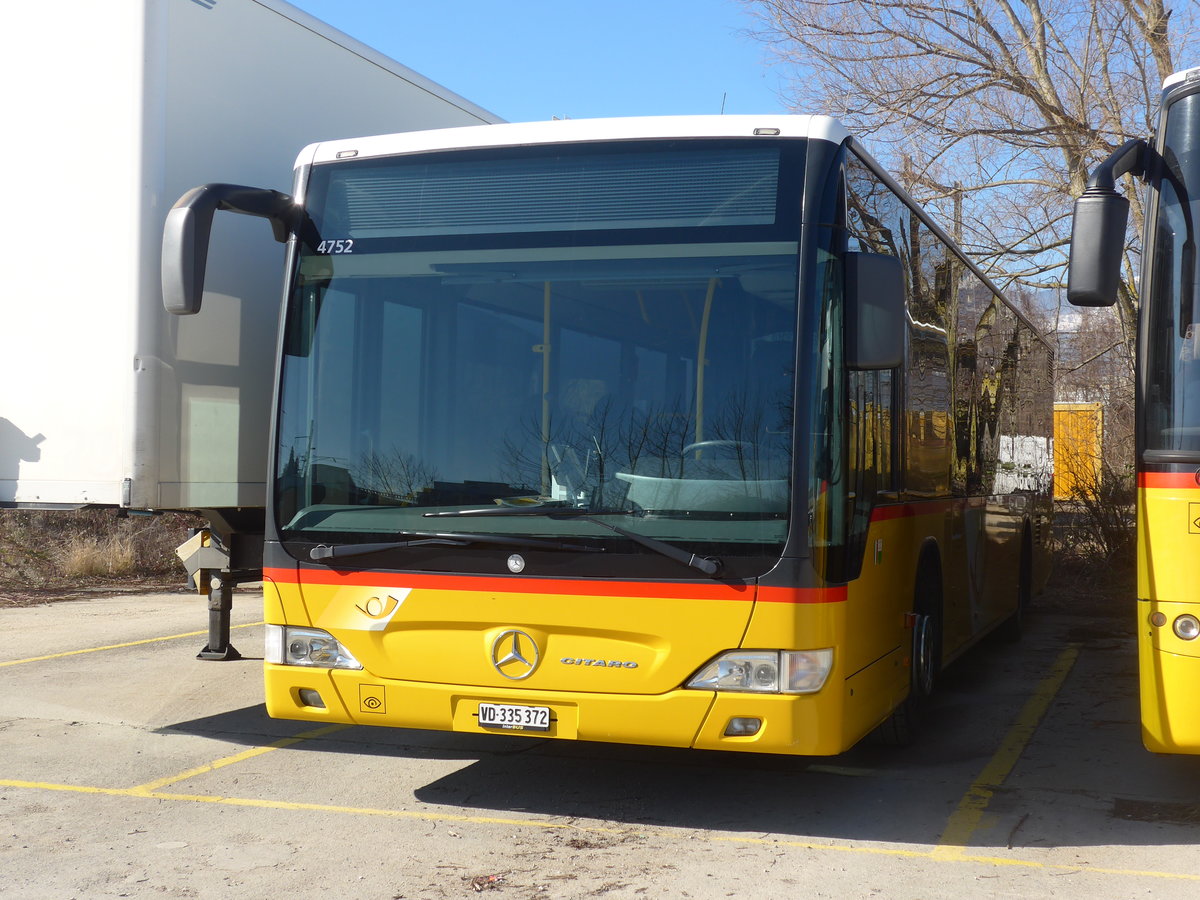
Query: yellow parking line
[951,847]
[67,788]
[154,640]
[664,834]
[934,856]
[966,818]
[141,793]
[371,811]
[151,786]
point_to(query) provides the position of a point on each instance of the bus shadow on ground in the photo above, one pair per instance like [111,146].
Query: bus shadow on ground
[1069,788]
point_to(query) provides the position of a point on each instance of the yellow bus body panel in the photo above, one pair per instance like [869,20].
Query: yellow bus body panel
[1168,586]
[404,681]
[614,656]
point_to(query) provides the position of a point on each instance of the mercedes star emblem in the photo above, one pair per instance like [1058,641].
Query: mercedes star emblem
[515,654]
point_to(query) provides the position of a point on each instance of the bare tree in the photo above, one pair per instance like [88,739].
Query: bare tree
[393,477]
[1000,105]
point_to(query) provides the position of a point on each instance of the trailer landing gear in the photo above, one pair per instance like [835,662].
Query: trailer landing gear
[212,570]
[220,606]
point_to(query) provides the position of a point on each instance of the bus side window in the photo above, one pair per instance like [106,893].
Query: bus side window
[877,221]
[872,469]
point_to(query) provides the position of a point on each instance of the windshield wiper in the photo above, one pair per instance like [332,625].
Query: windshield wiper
[429,538]
[706,564]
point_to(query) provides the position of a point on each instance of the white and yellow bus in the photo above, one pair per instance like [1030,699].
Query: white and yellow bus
[1168,397]
[688,432]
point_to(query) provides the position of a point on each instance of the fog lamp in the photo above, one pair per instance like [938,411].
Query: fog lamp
[742,726]
[309,697]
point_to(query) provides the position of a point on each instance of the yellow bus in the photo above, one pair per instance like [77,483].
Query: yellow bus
[687,432]
[1167,397]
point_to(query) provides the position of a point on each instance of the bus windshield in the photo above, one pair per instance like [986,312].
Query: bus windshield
[610,331]
[1172,395]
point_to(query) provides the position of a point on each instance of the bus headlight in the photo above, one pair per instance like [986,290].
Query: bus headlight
[312,647]
[1187,628]
[765,671]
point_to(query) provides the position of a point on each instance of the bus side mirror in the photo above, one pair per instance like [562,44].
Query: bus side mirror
[187,230]
[1098,229]
[1097,247]
[875,315]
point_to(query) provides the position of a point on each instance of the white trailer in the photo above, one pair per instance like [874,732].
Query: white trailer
[112,111]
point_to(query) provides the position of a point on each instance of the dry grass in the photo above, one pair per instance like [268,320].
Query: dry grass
[87,548]
[89,557]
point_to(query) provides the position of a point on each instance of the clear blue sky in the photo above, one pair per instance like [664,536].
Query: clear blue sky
[535,59]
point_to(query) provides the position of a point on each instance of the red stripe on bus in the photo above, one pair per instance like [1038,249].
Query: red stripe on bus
[1174,480]
[666,590]
[802,595]
[919,508]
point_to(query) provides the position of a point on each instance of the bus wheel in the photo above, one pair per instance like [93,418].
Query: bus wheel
[900,728]
[924,656]
[1014,625]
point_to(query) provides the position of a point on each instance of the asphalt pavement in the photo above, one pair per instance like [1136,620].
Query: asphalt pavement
[130,768]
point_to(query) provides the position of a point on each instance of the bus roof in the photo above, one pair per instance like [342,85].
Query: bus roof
[1181,77]
[575,130]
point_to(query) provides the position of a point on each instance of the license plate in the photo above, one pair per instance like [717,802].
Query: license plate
[514,718]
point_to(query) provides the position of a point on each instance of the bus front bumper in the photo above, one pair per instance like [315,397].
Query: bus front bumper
[805,725]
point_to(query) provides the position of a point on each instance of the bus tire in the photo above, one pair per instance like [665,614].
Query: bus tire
[901,727]
[1012,627]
